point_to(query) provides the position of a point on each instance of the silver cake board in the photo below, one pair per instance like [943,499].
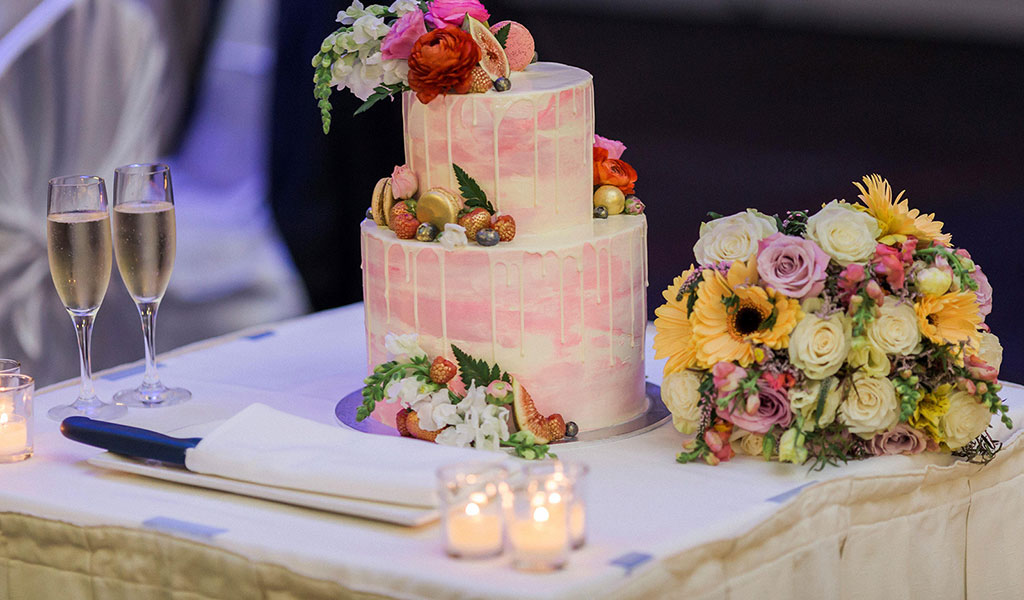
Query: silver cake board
[654,415]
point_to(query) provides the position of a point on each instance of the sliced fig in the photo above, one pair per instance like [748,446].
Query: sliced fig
[492,56]
[412,424]
[545,429]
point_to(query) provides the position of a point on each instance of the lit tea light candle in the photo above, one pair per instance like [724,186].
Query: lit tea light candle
[472,511]
[541,541]
[578,524]
[13,436]
[473,533]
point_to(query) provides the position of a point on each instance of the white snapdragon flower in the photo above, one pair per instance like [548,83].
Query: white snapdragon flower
[401,7]
[459,436]
[403,345]
[434,409]
[453,236]
[407,391]
[368,28]
[341,69]
[395,71]
[364,79]
[353,12]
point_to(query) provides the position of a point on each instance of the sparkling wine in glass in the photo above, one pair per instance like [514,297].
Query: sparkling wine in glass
[78,245]
[144,239]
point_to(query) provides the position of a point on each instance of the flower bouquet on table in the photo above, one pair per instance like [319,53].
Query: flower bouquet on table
[855,331]
[484,407]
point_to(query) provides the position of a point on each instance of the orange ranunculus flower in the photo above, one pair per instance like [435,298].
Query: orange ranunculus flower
[612,171]
[440,62]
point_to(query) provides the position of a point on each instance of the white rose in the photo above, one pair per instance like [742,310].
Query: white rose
[817,346]
[844,233]
[733,238]
[868,358]
[406,345]
[804,400]
[745,442]
[454,236]
[870,407]
[991,350]
[679,392]
[894,329]
[965,420]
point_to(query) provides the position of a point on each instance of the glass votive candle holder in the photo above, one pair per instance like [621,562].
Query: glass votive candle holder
[15,417]
[570,479]
[9,366]
[538,520]
[472,514]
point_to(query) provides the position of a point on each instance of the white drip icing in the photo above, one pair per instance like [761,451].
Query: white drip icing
[416,290]
[444,301]
[387,285]
[611,311]
[522,309]
[494,311]
[558,139]
[632,291]
[448,128]
[426,146]
[536,150]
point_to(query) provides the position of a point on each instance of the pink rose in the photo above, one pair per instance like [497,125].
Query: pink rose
[453,12]
[772,409]
[984,291]
[398,42]
[792,265]
[615,148]
[901,439]
[403,182]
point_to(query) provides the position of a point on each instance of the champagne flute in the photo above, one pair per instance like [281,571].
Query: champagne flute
[78,245]
[144,239]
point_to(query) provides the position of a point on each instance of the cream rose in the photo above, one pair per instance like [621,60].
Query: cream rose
[745,442]
[894,330]
[965,420]
[991,350]
[804,401]
[817,346]
[681,395]
[933,281]
[844,233]
[733,238]
[870,406]
[868,358]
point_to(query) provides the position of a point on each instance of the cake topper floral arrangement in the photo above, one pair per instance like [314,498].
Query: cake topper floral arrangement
[432,48]
[855,331]
[483,407]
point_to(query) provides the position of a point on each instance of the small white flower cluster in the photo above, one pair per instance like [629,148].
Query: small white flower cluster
[473,421]
[403,346]
[361,67]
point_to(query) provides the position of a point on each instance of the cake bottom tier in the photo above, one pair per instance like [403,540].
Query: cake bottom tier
[565,317]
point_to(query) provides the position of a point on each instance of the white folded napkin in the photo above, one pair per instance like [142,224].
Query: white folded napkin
[266,446]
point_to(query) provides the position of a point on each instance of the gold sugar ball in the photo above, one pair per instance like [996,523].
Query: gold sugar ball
[611,198]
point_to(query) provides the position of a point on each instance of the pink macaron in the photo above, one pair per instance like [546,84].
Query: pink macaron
[519,47]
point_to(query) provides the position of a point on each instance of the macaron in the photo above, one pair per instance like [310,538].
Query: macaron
[381,201]
[438,206]
[519,45]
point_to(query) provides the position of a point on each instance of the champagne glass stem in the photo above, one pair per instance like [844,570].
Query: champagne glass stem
[147,311]
[83,330]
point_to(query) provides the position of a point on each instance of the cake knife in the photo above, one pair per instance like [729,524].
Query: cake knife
[128,441]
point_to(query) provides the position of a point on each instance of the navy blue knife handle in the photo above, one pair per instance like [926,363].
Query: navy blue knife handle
[126,440]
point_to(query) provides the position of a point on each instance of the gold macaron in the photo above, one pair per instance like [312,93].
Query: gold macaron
[382,201]
[438,206]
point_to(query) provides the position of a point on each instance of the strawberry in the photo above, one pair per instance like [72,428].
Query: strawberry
[480,81]
[474,221]
[405,226]
[442,371]
[505,225]
[398,208]
[400,422]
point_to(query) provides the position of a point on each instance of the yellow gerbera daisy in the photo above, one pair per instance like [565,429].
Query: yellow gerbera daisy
[930,410]
[895,217]
[729,321]
[950,318]
[674,337]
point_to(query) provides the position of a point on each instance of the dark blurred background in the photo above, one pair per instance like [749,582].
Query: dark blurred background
[723,105]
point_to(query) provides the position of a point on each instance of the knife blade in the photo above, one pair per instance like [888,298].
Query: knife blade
[128,441]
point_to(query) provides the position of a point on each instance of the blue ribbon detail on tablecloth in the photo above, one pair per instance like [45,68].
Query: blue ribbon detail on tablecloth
[779,499]
[136,370]
[259,335]
[631,560]
[169,525]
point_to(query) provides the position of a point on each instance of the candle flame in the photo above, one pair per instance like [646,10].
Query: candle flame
[478,497]
[555,498]
[540,514]
[472,509]
[3,419]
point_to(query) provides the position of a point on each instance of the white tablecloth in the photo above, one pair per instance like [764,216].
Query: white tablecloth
[656,527]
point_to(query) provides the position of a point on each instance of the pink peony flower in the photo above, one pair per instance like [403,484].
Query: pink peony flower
[901,439]
[773,409]
[397,44]
[615,148]
[792,265]
[403,182]
[453,12]
[984,291]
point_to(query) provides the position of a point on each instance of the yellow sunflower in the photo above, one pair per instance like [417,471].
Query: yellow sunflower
[895,217]
[950,318]
[930,410]
[674,337]
[730,318]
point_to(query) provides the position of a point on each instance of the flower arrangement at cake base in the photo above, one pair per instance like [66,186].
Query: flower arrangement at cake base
[483,407]
[855,331]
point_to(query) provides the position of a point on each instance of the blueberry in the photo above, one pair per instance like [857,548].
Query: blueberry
[600,212]
[487,237]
